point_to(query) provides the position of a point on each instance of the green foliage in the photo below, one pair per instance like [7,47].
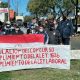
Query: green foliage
[44,74]
[33,6]
[68,6]
[28,18]
[42,7]
[75,1]
[4,5]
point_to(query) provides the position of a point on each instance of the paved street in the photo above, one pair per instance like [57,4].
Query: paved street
[75,43]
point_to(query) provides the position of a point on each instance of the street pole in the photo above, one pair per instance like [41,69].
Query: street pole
[17,6]
[76,17]
[8,10]
[0,1]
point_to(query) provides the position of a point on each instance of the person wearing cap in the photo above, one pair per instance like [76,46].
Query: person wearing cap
[42,31]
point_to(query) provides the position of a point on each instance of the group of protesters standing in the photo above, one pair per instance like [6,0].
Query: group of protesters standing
[55,32]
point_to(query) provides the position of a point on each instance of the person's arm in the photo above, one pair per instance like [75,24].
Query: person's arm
[46,38]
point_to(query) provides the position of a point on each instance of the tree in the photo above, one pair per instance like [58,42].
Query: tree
[68,6]
[4,5]
[28,18]
[33,6]
[42,7]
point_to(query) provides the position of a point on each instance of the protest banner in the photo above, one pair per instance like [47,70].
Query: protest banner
[16,56]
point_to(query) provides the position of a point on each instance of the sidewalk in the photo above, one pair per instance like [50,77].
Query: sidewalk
[75,47]
[75,42]
[75,54]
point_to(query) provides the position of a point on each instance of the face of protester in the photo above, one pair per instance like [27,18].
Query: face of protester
[17,29]
[34,21]
[46,21]
[7,25]
[55,24]
[41,29]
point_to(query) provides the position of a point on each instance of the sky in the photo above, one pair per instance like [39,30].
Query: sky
[22,6]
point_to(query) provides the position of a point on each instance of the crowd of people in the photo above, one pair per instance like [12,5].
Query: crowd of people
[55,32]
